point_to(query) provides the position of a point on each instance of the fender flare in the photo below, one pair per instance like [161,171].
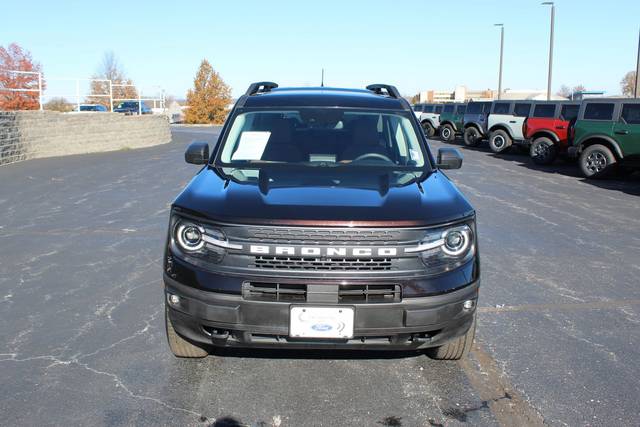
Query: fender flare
[449,122]
[429,121]
[546,133]
[607,138]
[476,125]
[501,126]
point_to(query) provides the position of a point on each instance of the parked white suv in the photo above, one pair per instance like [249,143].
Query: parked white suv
[506,123]
[430,118]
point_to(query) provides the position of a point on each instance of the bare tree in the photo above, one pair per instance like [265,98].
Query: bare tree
[59,104]
[110,69]
[567,92]
[628,83]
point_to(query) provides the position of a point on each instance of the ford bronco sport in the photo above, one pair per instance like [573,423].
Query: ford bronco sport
[451,121]
[505,123]
[546,131]
[606,135]
[475,122]
[321,220]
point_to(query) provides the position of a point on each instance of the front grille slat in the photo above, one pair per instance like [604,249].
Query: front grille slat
[332,264]
[303,236]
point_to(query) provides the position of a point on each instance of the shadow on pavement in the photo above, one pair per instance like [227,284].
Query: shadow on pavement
[259,353]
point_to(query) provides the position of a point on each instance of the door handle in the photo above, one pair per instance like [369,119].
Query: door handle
[622,132]
[512,121]
[561,127]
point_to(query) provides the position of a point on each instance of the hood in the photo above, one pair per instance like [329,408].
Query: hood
[211,196]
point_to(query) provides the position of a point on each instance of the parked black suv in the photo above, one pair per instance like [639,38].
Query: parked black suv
[321,220]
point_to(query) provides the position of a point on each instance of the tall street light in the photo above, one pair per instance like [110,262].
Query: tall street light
[553,15]
[501,51]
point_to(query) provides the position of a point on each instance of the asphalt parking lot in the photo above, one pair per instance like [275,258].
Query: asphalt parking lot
[83,343]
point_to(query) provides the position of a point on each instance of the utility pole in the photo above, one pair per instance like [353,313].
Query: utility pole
[635,90]
[501,54]
[553,15]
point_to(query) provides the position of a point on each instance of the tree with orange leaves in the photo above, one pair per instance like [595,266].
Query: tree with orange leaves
[13,59]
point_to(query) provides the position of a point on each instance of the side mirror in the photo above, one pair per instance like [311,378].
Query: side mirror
[449,158]
[197,153]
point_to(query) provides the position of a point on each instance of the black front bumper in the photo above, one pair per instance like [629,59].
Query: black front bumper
[228,320]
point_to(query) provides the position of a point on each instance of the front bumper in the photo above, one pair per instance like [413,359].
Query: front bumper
[228,320]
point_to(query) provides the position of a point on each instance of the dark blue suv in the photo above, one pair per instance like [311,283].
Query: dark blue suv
[321,220]
[132,107]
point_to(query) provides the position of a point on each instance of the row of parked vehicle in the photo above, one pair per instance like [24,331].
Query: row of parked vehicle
[602,133]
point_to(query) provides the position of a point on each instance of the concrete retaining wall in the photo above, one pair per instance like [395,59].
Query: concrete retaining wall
[34,134]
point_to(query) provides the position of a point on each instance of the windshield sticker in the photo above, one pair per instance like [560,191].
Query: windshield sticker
[414,154]
[251,145]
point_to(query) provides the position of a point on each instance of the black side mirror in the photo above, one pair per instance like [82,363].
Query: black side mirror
[197,153]
[449,158]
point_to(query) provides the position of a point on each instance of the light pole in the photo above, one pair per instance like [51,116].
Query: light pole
[553,15]
[635,90]
[501,51]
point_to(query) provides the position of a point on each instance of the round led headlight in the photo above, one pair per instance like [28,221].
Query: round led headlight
[456,241]
[189,236]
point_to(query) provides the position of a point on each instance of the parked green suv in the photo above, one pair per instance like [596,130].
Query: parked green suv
[606,136]
[451,121]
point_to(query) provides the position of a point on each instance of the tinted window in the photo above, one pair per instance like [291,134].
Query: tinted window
[474,108]
[598,111]
[461,109]
[501,108]
[569,112]
[544,110]
[438,109]
[428,109]
[448,109]
[522,110]
[418,107]
[631,114]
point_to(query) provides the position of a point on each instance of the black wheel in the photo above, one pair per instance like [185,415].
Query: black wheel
[457,348]
[428,129]
[447,133]
[543,151]
[596,161]
[499,141]
[178,345]
[472,136]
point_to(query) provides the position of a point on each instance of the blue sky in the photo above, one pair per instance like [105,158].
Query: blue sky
[416,45]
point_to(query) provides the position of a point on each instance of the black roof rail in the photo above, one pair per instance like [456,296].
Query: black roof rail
[392,91]
[256,87]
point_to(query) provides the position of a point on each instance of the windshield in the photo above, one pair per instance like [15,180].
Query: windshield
[322,137]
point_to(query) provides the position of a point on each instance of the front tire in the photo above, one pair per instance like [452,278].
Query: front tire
[543,151]
[428,129]
[499,141]
[596,161]
[457,348]
[472,136]
[178,345]
[447,133]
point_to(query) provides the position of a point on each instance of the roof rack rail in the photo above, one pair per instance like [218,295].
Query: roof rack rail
[260,87]
[390,90]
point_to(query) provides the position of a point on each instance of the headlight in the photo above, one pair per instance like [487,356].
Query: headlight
[447,248]
[189,236]
[196,240]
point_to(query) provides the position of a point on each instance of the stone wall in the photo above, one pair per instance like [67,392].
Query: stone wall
[28,135]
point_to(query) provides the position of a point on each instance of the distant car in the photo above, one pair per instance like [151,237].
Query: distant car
[451,121]
[475,122]
[430,119]
[90,108]
[546,131]
[606,136]
[505,123]
[132,107]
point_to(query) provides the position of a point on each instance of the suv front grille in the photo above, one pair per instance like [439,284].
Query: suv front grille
[284,235]
[331,264]
[297,293]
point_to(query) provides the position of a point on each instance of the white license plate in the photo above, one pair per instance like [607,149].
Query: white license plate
[321,322]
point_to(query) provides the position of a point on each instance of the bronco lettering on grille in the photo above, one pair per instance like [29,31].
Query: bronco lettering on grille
[322,251]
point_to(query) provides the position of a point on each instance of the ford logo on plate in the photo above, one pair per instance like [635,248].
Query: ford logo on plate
[321,327]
